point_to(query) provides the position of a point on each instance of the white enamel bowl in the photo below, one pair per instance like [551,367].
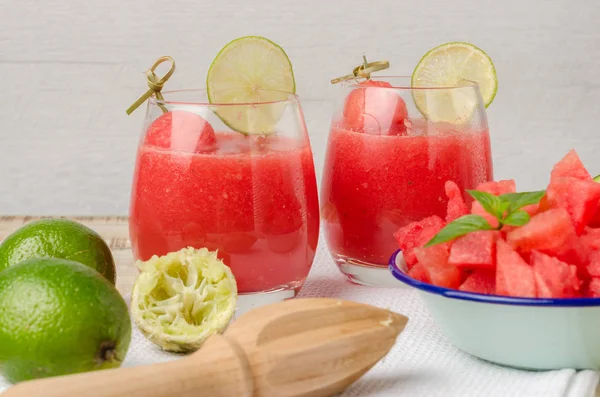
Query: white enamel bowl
[526,333]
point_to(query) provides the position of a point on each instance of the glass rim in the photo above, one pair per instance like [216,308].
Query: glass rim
[291,97]
[356,83]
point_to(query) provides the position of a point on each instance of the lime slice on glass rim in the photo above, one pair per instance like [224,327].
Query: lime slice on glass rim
[181,299]
[453,64]
[250,70]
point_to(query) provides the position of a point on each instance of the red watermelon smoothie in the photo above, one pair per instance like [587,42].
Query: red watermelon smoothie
[252,198]
[374,184]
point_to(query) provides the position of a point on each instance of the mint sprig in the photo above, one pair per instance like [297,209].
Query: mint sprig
[506,208]
[459,227]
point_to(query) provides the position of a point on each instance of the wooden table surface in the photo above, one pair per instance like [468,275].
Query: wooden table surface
[114,229]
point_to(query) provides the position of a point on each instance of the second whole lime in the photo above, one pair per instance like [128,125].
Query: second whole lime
[59,317]
[58,238]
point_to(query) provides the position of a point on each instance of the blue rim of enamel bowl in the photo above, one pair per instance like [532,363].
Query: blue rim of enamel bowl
[495,299]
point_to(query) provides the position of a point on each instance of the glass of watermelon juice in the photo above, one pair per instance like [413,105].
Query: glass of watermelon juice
[246,188]
[391,150]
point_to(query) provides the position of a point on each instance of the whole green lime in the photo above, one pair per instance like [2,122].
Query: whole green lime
[59,317]
[58,238]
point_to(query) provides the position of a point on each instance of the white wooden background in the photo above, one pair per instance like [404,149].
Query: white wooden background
[70,68]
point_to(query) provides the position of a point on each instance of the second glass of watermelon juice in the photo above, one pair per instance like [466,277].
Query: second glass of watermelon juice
[244,186]
[391,150]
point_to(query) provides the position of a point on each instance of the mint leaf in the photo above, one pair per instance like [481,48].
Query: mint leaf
[504,207]
[518,218]
[460,227]
[520,200]
[597,178]
[492,204]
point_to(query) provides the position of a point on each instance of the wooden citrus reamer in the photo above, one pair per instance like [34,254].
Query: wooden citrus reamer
[301,347]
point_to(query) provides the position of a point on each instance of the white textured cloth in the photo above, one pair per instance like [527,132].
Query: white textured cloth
[422,363]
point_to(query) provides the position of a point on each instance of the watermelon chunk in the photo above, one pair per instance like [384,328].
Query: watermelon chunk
[579,198]
[570,166]
[554,278]
[573,251]
[589,243]
[480,282]
[547,232]
[475,250]
[593,289]
[456,202]
[593,265]
[419,273]
[435,261]
[498,187]
[573,283]
[531,209]
[417,234]
[514,276]
[595,221]
[591,238]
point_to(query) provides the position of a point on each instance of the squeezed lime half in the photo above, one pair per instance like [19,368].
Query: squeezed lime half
[182,298]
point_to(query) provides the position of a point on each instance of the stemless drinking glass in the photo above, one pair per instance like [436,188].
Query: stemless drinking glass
[391,149]
[237,178]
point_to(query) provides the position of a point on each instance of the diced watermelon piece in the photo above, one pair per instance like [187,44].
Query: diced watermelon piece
[475,250]
[554,278]
[435,261]
[572,252]
[570,166]
[480,282]
[593,266]
[419,273]
[573,283]
[544,204]
[547,232]
[593,289]
[498,187]
[417,234]
[595,221]
[514,276]
[531,209]
[591,238]
[456,202]
[579,198]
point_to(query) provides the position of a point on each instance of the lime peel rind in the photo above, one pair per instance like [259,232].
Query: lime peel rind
[181,299]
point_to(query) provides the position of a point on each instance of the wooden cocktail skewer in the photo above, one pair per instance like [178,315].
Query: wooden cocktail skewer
[363,70]
[302,347]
